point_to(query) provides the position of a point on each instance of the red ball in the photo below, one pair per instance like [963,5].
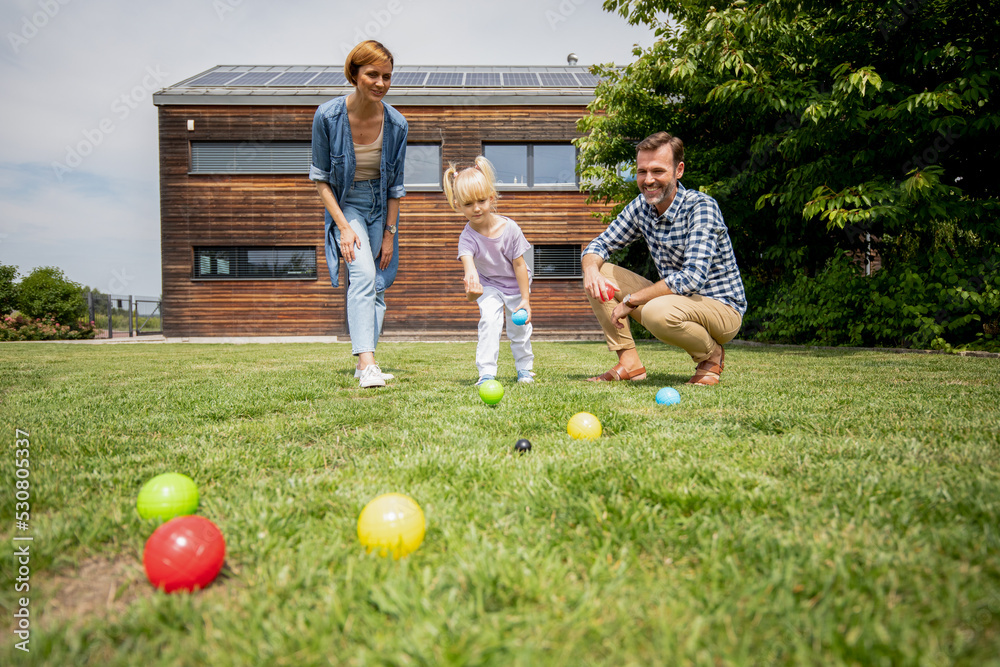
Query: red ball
[184,554]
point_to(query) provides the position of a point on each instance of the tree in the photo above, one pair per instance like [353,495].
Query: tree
[8,288]
[816,125]
[47,291]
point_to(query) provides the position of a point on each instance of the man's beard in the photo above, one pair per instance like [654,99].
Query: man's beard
[665,194]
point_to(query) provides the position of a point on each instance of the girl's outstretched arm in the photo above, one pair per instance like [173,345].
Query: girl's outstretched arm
[473,290]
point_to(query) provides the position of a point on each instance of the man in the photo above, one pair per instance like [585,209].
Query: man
[699,302]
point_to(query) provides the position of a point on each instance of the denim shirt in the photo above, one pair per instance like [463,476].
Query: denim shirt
[333,162]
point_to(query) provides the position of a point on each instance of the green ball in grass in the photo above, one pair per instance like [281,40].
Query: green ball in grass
[491,392]
[167,496]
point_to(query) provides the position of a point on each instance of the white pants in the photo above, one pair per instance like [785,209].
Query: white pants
[494,309]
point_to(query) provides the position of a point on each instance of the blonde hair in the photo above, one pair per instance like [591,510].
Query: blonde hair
[368,52]
[470,184]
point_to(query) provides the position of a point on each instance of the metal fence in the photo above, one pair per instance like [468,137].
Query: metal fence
[120,316]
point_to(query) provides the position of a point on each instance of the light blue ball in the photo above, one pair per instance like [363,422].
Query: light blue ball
[668,396]
[520,317]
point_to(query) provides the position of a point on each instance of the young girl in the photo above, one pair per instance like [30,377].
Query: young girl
[491,248]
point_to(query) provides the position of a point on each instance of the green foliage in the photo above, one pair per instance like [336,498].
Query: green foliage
[815,125]
[937,301]
[47,292]
[8,288]
[19,327]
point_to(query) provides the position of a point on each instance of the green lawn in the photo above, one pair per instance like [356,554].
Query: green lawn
[818,507]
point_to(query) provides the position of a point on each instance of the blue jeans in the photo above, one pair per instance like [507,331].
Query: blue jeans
[365,306]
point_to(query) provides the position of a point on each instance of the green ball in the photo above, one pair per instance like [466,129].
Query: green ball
[491,392]
[167,496]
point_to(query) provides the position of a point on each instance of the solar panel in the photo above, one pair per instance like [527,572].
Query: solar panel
[557,79]
[482,79]
[445,78]
[587,79]
[520,79]
[215,79]
[250,77]
[253,79]
[292,79]
[329,79]
[409,78]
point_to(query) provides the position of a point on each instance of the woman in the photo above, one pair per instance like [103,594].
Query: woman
[358,151]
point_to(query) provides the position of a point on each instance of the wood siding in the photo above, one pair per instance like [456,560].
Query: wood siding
[204,210]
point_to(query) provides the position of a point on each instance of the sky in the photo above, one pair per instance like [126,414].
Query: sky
[79,183]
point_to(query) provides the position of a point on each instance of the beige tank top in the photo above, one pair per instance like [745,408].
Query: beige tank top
[368,158]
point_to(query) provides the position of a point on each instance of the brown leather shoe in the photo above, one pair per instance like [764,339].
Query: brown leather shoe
[708,373]
[619,373]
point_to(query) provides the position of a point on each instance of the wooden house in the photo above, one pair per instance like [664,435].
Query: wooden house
[242,226]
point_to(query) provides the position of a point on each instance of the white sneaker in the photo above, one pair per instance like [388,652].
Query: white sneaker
[385,376]
[371,377]
[525,377]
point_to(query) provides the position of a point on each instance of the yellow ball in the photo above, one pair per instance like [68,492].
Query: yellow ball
[392,524]
[584,425]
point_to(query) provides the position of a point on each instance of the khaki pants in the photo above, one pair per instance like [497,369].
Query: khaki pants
[696,324]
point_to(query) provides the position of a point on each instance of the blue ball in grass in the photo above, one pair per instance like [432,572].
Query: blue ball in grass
[519,317]
[668,396]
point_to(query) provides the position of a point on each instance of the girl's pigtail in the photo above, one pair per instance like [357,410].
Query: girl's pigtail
[485,166]
[449,186]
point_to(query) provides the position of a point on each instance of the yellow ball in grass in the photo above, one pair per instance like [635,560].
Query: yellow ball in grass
[392,524]
[584,425]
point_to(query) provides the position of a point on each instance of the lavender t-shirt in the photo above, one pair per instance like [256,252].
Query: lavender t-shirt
[494,258]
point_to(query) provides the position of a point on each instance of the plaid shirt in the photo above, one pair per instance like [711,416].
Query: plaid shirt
[689,244]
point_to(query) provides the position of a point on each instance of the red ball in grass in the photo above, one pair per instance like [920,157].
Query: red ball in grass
[184,554]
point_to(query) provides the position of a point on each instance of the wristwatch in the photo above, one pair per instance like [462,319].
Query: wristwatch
[391,229]
[628,301]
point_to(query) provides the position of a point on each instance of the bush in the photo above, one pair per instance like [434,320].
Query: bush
[20,327]
[46,292]
[8,288]
[938,300]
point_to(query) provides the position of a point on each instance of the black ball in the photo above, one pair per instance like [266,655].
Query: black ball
[522,445]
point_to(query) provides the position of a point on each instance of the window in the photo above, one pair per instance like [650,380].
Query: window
[255,263]
[556,261]
[250,157]
[423,167]
[510,162]
[554,165]
[544,166]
